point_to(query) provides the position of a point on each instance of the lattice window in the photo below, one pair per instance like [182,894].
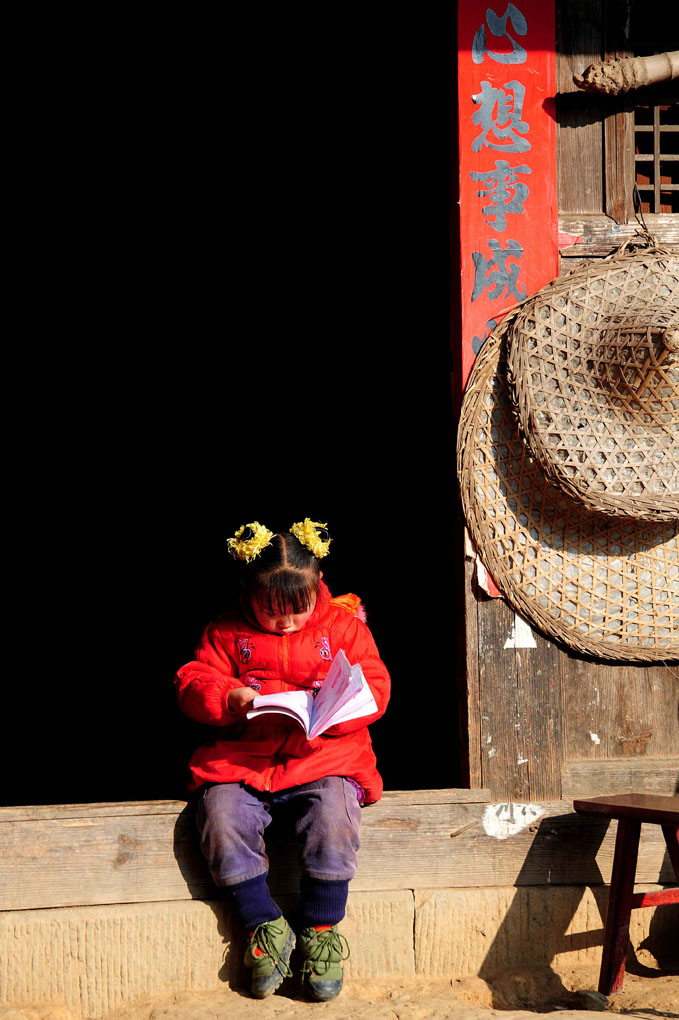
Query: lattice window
[656,156]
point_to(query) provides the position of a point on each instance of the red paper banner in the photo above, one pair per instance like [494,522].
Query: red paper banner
[508,211]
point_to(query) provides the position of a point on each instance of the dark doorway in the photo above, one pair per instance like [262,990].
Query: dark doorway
[266,302]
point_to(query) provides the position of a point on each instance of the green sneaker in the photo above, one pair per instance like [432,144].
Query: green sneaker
[268,955]
[323,952]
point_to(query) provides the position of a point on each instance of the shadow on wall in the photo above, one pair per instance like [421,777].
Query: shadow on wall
[536,944]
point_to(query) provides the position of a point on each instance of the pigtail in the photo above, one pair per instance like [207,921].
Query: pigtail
[313,536]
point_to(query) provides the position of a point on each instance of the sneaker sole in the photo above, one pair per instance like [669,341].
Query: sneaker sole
[323,991]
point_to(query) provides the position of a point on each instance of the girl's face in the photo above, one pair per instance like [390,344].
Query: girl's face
[280,623]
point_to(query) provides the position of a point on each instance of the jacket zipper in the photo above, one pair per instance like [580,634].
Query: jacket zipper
[286,655]
[269,777]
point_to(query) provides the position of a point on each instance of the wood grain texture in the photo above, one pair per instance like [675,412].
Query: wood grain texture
[502,741]
[598,776]
[640,807]
[579,153]
[620,711]
[127,809]
[601,235]
[474,748]
[618,126]
[134,858]
[619,161]
[538,710]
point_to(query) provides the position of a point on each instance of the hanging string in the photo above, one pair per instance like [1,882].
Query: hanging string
[639,216]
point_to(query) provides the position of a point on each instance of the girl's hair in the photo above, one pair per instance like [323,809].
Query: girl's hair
[285,577]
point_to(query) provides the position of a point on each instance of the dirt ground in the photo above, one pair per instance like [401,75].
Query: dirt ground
[518,995]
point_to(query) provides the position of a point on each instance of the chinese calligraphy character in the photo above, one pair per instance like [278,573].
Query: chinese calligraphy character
[506,125]
[477,341]
[498,27]
[502,277]
[506,193]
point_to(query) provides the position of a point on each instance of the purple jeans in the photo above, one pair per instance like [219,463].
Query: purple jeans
[326,816]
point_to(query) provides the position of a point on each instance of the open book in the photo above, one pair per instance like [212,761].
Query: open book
[344,695]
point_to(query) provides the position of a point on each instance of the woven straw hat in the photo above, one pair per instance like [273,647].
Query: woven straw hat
[604,586]
[594,367]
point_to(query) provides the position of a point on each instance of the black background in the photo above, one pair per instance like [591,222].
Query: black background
[235,254]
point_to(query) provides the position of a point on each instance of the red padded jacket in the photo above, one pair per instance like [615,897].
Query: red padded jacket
[273,753]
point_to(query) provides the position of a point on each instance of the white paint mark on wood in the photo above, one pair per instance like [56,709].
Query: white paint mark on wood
[521,635]
[503,820]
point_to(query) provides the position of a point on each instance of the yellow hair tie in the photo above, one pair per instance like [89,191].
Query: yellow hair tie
[307,532]
[249,541]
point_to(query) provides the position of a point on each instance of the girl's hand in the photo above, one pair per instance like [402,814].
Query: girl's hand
[239,700]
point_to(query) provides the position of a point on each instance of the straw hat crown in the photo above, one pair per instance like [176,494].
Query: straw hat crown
[594,369]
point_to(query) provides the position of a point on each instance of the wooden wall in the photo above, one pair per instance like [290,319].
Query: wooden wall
[595,136]
[545,723]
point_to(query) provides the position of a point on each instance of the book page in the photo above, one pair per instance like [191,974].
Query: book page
[362,703]
[297,705]
[339,686]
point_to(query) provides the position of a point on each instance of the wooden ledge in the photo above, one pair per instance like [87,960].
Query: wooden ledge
[95,854]
[174,807]
[600,234]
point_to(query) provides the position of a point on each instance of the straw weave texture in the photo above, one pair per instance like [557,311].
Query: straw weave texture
[596,383]
[605,586]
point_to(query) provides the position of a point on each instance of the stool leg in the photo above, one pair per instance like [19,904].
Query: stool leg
[616,933]
[671,835]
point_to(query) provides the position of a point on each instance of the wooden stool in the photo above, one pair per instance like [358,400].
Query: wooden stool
[631,809]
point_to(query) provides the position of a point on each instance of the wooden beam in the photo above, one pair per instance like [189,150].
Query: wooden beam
[93,854]
[129,808]
[473,706]
[579,135]
[601,235]
[597,777]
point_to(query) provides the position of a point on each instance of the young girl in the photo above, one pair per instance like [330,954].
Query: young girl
[283,637]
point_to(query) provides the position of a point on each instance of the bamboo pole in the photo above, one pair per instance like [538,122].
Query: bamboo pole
[617,76]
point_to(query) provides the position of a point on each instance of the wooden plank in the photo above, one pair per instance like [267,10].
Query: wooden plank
[619,162]
[115,808]
[639,807]
[597,777]
[520,707]
[540,717]
[406,798]
[590,704]
[620,711]
[601,235]
[579,115]
[124,809]
[618,131]
[473,703]
[503,742]
[137,858]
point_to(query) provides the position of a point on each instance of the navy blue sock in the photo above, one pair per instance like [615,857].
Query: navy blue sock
[252,902]
[322,902]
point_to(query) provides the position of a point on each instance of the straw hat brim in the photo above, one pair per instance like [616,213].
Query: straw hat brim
[604,586]
[597,386]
